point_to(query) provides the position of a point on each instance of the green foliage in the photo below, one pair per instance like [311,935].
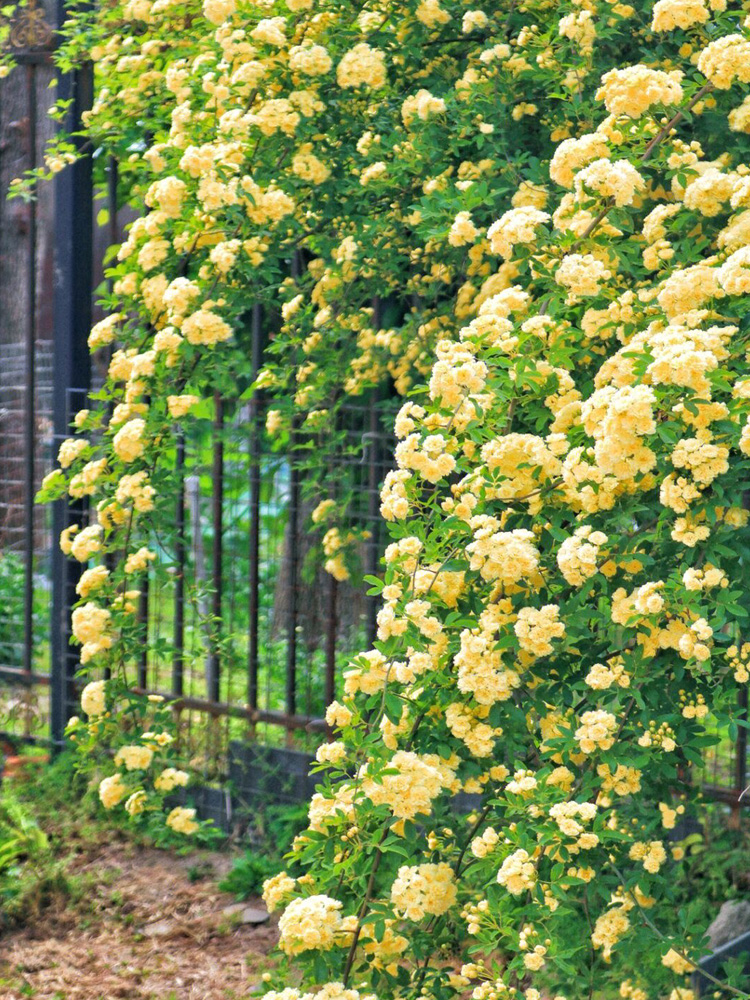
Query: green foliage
[21,837]
[280,824]
[717,862]
[30,874]
[248,874]
[276,826]
[155,832]
[12,578]
[53,786]
[127,749]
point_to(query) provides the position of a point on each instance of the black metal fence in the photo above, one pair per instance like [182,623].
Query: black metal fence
[240,624]
[27,364]
[239,557]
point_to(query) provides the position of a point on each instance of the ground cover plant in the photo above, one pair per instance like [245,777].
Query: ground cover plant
[553,201]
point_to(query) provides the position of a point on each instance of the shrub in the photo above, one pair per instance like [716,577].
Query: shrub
[562,605]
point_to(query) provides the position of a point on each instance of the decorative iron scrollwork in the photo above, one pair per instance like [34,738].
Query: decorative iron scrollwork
[29,28]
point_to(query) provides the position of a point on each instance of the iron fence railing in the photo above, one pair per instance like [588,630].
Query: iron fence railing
[238,555]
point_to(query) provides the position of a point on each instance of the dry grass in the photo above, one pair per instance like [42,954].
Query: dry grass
[144,931]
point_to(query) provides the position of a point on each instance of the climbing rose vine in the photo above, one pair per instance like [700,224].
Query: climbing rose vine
[562,607]
[389,148]
[335,167]
[562,626]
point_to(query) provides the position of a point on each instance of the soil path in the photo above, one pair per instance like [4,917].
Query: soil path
[146,929]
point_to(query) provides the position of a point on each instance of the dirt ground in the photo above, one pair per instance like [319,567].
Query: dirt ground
[152,926]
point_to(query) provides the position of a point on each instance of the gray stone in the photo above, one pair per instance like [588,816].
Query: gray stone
[159,928]
[732,920]
[245,914]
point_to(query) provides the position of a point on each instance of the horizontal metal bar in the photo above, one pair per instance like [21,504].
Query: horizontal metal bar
[712,963]
[28,739]
[30,57]
[272,717]
[22,677]
[731,796]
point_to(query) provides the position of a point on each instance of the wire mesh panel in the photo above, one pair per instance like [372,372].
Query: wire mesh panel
[243,625]
[724,774]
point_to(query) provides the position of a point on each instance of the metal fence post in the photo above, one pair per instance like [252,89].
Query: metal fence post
[142,621]
[178,656]
[256,408]
[293,555]
[213,663]
[740,758]
[293,529]
[372,549]
[332,625]
[72,366]
[30,394]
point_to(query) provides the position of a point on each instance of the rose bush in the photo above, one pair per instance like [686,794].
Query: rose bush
[544,211]
[352,209]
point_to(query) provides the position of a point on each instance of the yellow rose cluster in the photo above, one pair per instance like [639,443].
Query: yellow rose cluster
[559,290]
[424,889]
[310,922]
